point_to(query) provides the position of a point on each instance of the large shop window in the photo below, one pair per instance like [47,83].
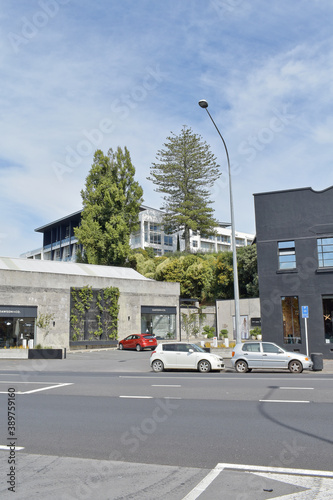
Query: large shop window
[159,321]
[325,252]
[287,255]
[291,324]
[17,325]
[328,318]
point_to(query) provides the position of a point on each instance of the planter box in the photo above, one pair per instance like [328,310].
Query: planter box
[45,354]
[13,353]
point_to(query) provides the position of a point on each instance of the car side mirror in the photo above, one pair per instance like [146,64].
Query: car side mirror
[190,350]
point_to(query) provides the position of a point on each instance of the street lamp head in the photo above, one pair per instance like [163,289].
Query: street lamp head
[203,103]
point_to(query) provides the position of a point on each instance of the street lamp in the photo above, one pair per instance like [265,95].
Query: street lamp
[204,104]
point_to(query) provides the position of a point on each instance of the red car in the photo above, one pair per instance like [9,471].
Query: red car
[138,341]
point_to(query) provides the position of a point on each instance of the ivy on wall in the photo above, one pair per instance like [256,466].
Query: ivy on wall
[94,313]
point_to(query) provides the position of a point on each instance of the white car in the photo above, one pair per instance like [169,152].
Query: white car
[183,355]
[266,355]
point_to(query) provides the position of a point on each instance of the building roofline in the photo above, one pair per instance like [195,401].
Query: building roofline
[293,190]
[41,228]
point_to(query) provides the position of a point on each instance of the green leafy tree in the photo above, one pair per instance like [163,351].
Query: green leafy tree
[111,203]
[247,271]
[184,173]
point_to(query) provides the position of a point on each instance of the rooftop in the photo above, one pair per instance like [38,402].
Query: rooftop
[55,267]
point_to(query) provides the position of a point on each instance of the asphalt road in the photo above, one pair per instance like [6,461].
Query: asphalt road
[107,418]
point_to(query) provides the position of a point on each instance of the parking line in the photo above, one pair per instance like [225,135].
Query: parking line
[203,485]
[165,385]
[6,448]
[137,397]
[38,390]
[298,388]
[281,401]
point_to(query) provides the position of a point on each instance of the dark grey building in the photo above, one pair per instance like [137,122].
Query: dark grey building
[294,235]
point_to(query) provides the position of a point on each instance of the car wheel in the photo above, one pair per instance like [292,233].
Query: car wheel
[157,365]
[295,366]
[241,366]
[138,347]
[204,366]
[121,347]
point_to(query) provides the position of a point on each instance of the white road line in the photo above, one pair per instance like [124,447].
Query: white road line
[165,385]
[203,485]
[137,397]
[298,388]
[279,470]
[7,448]
[281,401]
[19,382]
[41,389]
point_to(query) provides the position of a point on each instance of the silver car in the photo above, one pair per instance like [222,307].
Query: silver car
[266,355]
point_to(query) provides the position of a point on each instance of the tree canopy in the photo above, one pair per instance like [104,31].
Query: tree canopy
[184,173]
[111,202]
[206,277]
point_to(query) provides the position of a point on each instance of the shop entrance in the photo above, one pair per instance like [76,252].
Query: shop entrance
[17,326]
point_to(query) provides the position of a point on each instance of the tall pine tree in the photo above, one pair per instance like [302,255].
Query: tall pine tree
[111,202]
[185,172]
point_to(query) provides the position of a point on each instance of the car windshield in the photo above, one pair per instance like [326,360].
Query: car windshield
[197,348]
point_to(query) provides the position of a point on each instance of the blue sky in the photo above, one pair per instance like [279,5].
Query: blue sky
[77,76]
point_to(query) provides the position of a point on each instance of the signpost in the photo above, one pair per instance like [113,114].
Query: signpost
[305,315]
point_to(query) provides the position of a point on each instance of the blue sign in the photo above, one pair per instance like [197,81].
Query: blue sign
[305,311]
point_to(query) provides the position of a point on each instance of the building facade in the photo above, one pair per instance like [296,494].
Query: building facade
[60,243]
[294,236]
[34,290]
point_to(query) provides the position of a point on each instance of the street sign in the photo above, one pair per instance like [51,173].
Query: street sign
[305,311]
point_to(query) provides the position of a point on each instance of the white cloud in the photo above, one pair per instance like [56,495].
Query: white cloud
[140,69]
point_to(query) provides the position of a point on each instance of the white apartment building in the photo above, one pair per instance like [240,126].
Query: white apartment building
[60,243]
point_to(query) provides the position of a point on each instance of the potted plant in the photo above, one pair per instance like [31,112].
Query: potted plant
[225,338]
[256,333]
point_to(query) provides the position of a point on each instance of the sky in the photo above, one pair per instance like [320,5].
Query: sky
[77,76]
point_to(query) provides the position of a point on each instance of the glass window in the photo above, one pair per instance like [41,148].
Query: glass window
[291,324]
[328,318]
[168,240]
[325,252]
[251,347]
[195,244]
[287,255]
[240,242]
[270,348]
[169,347]
[13,331]
[163,326]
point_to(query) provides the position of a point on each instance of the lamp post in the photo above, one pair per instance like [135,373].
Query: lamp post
[204,104]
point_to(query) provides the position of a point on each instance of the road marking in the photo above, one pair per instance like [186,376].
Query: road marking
[281,474]
[7,448]
[203,485]
[165,385]
[38,390]
[278,470]
[281,401]
[298,388]
[137,397]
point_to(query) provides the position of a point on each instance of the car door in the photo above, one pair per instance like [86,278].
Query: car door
[251,352]
[273,356]
[186,356]
[169,356]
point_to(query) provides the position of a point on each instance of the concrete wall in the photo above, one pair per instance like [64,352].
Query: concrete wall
[225,310]
[51,294]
